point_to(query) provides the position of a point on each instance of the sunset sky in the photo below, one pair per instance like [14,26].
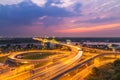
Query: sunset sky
[71,18]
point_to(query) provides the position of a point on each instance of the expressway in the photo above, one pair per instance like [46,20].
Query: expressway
[30,63]
[13,56]
[66,65]
[80,75]
[54,69]
[2,55]
[59,68]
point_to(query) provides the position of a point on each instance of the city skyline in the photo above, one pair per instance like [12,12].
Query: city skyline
[79,18]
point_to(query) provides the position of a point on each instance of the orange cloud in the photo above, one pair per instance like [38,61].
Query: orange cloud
[87,29]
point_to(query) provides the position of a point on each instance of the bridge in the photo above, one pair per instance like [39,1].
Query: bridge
[57,67]
[64,66]
[87,64]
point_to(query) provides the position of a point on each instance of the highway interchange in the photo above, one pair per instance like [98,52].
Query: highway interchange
[57,70]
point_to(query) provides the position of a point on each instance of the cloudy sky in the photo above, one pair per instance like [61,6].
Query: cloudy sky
[73,18]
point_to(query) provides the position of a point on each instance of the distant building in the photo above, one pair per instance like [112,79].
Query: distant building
[68,41]
[49,45]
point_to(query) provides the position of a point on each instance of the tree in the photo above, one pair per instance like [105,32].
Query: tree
[116,76]
[95,71]
[117,63]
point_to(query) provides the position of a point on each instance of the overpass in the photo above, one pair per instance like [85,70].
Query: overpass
[58,67]
[13,56]
[66,64]
[85,64]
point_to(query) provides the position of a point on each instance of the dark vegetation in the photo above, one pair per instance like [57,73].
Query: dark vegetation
[110,71]
[16,40]
[36,55]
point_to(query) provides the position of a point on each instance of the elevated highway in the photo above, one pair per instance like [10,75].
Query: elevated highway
[65,64]
[87,64]
[57,67]
[13,56]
